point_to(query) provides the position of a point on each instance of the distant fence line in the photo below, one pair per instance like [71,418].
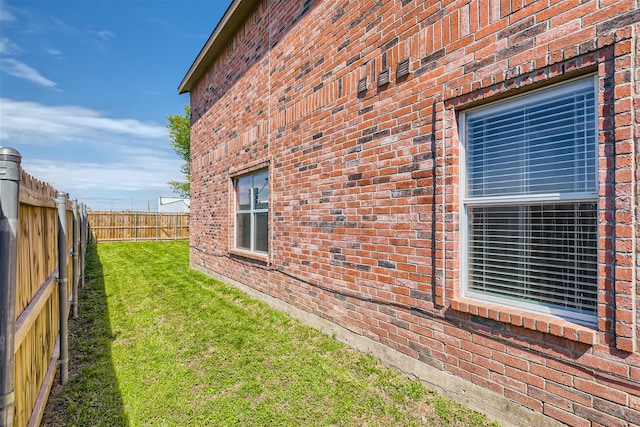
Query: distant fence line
[110,226]
[43,239]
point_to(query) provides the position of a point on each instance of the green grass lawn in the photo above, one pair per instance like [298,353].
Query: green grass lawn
[160,344]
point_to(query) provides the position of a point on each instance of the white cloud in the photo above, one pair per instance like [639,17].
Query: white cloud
[8,47]
[133,174]
[5,13]
[96,37]
[21,70]
[84,152]
[106,35]
[29,122]
[63,27]
[53,52]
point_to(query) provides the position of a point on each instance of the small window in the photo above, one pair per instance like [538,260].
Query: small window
[252,211]
[529,223]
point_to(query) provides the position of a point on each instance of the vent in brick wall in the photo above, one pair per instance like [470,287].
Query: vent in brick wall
[362,85]
[403,68]
[383,79]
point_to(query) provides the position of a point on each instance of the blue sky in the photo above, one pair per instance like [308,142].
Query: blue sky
[85,88]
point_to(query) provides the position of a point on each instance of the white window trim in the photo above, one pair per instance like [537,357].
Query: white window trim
[252,211]
[466,202]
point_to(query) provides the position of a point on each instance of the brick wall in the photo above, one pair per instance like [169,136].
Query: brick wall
[364,186]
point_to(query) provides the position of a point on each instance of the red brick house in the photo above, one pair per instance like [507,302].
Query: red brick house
[449,185]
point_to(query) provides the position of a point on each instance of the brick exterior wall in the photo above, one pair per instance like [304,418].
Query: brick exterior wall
[364,186]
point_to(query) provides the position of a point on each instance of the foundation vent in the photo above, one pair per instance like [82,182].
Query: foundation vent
[403,68]
[383,78]
[362,85]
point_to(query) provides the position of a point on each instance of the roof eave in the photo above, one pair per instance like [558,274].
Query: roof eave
[235,15]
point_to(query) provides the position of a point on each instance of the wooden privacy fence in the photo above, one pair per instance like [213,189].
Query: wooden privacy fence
[136,226]
[43,239]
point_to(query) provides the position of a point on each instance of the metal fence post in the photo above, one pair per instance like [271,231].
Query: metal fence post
[88,231]
[63,359]
[86,235]
[9,208]
[83,240]
[75,253]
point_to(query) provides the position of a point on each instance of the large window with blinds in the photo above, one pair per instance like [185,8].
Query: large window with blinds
[530,185]
[252,211]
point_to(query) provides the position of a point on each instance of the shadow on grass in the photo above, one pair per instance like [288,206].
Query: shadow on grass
[92,396]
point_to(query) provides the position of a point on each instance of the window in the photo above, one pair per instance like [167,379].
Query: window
[529,225]
[252,211]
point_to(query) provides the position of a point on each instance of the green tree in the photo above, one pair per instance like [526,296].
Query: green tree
[179,127]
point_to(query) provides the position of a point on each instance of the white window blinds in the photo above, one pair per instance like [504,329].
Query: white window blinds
[531,201]
[536,145]
[543,254]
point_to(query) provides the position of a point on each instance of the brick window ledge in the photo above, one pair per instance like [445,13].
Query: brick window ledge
[536,322]
[250,255]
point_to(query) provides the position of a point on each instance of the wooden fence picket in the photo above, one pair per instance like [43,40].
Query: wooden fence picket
[36,289]
[117,226]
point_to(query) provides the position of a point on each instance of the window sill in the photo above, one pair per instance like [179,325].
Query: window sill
[250,255]
[536,322]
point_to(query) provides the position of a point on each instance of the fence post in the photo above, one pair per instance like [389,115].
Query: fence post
[89,231]
[9,209]
[81,244]
[135,226]
[63,358]
[157,226]
[83,240]
[175,234]
[87,226]
[75,253]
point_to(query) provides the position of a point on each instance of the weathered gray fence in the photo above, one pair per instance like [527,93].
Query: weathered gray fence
[43,239]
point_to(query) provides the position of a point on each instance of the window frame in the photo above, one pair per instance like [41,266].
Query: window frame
[467,202]
[252,211]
